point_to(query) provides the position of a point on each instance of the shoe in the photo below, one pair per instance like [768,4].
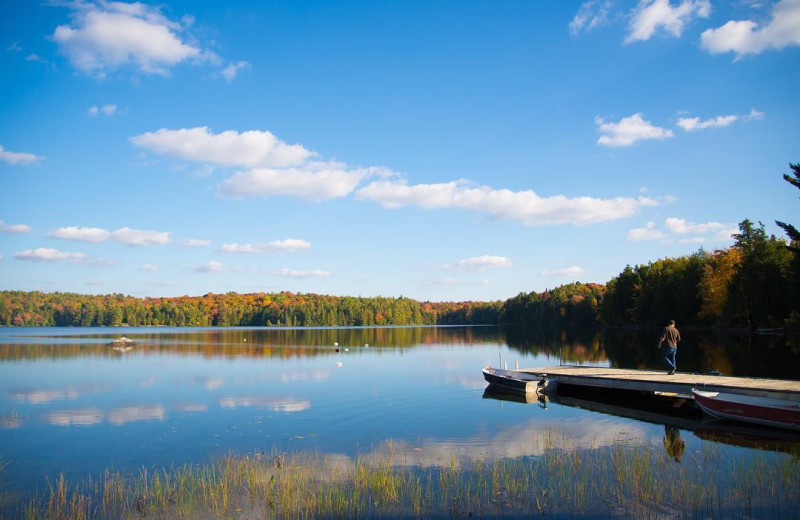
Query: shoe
[671,372]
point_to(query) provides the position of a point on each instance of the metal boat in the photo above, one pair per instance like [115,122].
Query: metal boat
[746,408]
[514,380]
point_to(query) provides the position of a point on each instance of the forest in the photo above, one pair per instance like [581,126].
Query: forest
[284,309]
[753,284]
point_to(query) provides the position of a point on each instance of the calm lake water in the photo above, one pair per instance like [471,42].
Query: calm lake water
[71,404]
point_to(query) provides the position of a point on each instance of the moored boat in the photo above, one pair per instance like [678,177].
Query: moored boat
[514,380]
[746,408]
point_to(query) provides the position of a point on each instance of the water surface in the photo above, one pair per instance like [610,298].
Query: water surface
[73,405]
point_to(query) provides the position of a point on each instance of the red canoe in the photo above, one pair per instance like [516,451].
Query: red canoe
[757,410]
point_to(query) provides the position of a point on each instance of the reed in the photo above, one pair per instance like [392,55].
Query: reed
[620,481]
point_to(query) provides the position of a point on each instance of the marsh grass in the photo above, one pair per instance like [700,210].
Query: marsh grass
[564,481]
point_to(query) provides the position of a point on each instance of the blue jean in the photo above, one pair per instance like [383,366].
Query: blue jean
[668,356]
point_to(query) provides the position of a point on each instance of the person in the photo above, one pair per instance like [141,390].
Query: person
[669,346]
[673,443]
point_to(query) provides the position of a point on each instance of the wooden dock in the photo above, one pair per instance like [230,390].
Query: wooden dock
[660,381]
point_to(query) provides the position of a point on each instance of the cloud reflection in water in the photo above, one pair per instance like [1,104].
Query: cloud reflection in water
[37,396]
[287,405]
[529,439]
[93,416]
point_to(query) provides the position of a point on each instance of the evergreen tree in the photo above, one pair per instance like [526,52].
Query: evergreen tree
[759,294]
[791,231]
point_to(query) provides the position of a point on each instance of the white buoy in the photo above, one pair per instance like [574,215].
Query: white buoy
[346,349]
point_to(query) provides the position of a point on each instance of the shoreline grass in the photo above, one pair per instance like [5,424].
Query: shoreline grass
[565,481]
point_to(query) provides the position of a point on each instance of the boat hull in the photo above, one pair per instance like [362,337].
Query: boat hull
[754,410]
[512,380]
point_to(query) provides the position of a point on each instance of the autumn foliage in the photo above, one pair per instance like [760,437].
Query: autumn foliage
[19,308]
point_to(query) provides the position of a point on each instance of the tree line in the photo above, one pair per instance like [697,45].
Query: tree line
[755,283]
[286,309]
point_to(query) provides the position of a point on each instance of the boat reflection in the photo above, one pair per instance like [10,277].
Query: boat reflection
[675,414]
[747,436]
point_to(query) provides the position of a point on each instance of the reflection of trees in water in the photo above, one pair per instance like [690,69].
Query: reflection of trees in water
[703,351]
[572,345]
[699,351]
[251,342]
[755,355]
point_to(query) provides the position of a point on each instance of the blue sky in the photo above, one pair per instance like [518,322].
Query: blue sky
[439,150]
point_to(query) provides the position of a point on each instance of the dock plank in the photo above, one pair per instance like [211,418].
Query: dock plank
[660,381]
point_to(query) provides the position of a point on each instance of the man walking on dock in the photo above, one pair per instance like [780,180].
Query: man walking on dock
[671,336]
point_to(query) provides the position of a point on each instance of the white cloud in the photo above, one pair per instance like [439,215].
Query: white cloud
[232,70]
[126,235]
[138,237]
[329,183]
[14,229]
[210,267]
[628,131]
[273,167]
[44,254]
[150,267]
[591,14]
[680,226]
[204,171]
[230,148]
[651,15]
[285,170]
[109,35]
[294,273]
[693,240]
[570,272]
[522,206]
[36,59]
[480,263]
[21,158]
[193,242]
[685,232]
[289,245]
[726,234]
[107,110]
[98,262]
[690,124]
[746,37]
[443,282]
[82,234]
[754,115]
[645,233]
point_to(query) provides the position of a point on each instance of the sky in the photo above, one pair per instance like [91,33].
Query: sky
[437,150]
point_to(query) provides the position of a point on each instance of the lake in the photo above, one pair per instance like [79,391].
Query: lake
[73,405]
